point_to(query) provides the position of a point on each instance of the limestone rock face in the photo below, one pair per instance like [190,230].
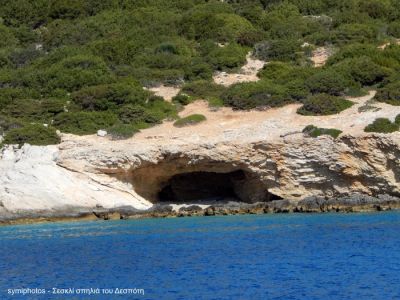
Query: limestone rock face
[85,173]
[32,181]
[292,168]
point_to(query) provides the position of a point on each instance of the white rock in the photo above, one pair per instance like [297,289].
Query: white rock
[30,179]
[101,133]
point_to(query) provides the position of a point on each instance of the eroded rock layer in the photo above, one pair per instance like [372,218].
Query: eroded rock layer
[84,174]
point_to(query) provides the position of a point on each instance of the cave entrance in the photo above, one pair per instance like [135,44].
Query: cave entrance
[202,186]
[181,182]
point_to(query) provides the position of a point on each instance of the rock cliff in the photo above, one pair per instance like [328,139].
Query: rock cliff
[88,174]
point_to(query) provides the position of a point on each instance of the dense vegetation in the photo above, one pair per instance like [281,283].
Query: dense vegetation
[324,104]
[80,66]
[383,125]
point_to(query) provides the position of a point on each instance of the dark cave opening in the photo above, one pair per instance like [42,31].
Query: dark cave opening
[200,186]
[210,186]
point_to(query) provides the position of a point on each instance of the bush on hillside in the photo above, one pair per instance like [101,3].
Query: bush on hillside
[132,114]
[70,74]
[203,89]
[329,82]
[382,125]
[365,71]
[198,70]
[288,75]
[324,104]
[34,110]
[110,96]
[256,94]
[397,120]
[122,131]
[158,109]
[82,123]
[389,94]
[182,99]
[281,50]
[394,29]
[250,38]
[354,33]
[190,120]
[7,123]
[32,134]
[314,131]
[228,57]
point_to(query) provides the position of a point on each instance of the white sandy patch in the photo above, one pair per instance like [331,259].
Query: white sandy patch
[383,47]
[248,73]
[167,92]
[320,56]
[226,124]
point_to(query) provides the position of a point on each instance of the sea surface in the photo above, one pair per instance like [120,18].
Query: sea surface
[294,256]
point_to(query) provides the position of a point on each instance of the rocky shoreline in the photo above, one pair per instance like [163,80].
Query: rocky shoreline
[351,204]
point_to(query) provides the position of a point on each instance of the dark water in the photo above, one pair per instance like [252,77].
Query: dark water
[332,256]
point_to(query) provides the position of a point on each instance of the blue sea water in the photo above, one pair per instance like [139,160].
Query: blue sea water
[322,256]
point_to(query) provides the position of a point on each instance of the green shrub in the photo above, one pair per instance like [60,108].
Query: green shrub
[365,71]
[70,74]
[354,33]
[288,75]
[182,99]
[376,8]
[329,82]
[132,114]
[382,125]
[314,131]
[256,94]
[122,131]
[394,29]
[7,37]
[215,102]
[84,122]
[250,38]
[389,94]
[110,96]
[198,70]
[283,50]
[7,123]
[214,21]
[353,51]
[228,57]
[9,95]
[397,120]
[203,89]
[32,134]
[34,110]
[151,113]
[324,104]
[276,71]
[190,120]
[158,110]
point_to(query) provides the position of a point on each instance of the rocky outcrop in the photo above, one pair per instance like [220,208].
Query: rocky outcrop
[292,168]
[83,175]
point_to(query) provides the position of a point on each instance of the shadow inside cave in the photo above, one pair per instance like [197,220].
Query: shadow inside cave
[208,187]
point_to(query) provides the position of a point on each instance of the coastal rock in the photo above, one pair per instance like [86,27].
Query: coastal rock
[269,170]
[285,175]
[31,181]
